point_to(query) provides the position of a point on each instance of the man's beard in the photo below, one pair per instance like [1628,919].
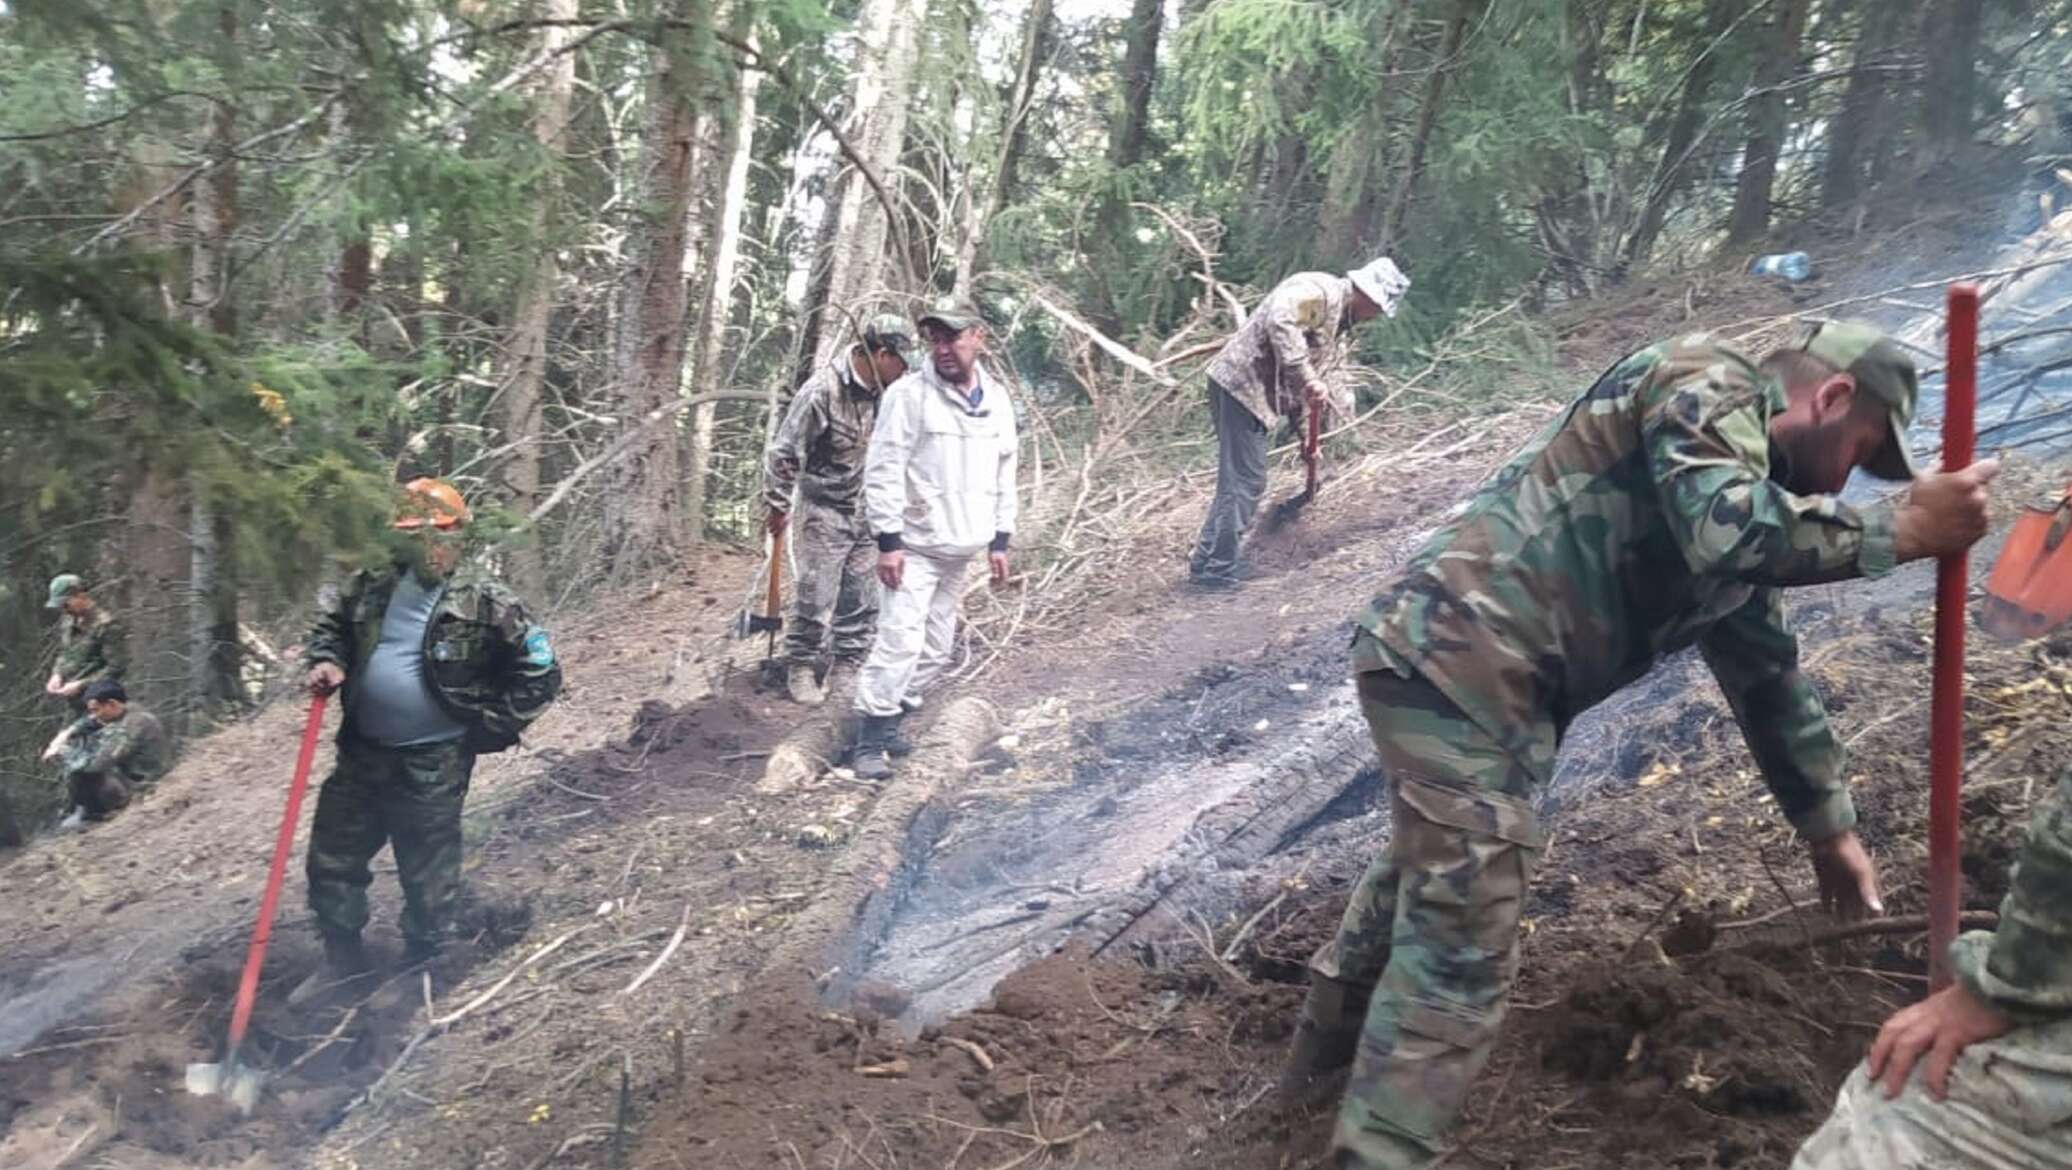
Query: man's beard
[950,368]
[1802,472]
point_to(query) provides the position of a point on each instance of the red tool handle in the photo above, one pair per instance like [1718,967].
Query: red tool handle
[1952,586]
[773,598]
[255,958]
[1310,445]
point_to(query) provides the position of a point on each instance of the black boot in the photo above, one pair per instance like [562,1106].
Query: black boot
[871,759]
[1327,1036]
[897,745]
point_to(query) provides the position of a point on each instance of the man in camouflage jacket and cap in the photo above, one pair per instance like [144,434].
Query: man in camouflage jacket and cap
[439,663]
[108,753]
[1278,363]
[90,642]
[1995,1047]
[818,452]
[1666,507]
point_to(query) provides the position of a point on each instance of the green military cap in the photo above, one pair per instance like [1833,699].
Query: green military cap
[888,331]
[62,586]
[955,316]
[1880,366]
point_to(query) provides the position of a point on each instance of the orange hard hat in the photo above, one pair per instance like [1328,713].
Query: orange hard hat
[431,501]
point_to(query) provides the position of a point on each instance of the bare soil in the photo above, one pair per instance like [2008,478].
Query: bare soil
[1141,884]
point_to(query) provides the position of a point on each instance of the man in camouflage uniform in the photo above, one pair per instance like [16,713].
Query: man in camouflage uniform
[1996,1090]
[1668,506]
[90,642]
[1278,363]
[819,451]
[439,663]
[108,753]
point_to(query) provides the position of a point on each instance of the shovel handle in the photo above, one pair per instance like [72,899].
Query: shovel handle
[1311,444]
[255,958]
[774,598]
[1946,709]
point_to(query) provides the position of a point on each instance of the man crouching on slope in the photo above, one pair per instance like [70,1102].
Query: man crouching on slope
[439,664]
[1667,506]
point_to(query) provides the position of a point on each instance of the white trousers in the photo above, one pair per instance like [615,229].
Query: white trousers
[917,624]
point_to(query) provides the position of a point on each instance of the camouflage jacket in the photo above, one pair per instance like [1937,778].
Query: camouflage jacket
[1640,521]
[133,747]
[1289,343]
[490,665]
[2024,968]
[821,444]
[94,650]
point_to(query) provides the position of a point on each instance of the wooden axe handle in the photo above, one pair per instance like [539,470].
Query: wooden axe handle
[775,597]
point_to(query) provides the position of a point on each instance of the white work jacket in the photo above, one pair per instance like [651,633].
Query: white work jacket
[939,475]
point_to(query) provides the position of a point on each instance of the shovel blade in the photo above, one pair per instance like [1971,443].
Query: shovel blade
[2030,591]
[230,1080]
[1285,512]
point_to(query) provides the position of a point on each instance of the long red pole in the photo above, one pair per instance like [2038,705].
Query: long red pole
[1952,586]
[284,843]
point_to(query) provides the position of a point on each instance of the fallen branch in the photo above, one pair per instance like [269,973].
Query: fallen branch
[675,941]
[1230,949]
[1107,344]
[977,1054]
[1902,924]
[447,1021]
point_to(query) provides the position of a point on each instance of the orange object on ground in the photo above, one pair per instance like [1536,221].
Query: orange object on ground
[2030,591]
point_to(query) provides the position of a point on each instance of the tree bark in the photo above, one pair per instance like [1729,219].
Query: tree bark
[724,258]
[526,351]
[1131,128]
[1014,132]
[1427,117]
[1766,126]
[1853,135]
[641,501]
[1350,190]
[857,274]
[1673,172]
[1951,91]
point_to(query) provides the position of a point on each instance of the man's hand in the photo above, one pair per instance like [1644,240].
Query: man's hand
[57,745]
[71,689]
[774,523]
[325,677]
[1848,880]
[56,685]
[998,562]
[892,567]
[1944,513]
[1942,1026]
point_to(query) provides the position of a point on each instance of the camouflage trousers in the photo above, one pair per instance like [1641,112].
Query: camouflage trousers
[408,798]
[97,793]
[836,588]
[1432,927]
[2009,1108]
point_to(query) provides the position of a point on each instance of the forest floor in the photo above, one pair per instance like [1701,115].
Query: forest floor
[1071,931]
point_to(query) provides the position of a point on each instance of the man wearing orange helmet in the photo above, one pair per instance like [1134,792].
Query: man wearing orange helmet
[438,663]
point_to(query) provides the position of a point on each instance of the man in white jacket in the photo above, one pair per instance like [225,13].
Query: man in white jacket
[938,488]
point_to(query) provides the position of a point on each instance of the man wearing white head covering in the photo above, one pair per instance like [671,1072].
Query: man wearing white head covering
[1276,364]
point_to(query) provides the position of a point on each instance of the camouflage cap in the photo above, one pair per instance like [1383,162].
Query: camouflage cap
[955,316]
[62,586]
[1880,366]
[888,331]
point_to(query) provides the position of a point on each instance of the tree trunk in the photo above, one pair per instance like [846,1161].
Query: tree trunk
[640,526]
[527,353]
[1020,99]
[1128,133]
[1673,172]
[724,258]
[1951,91]
[1766,126]
[1427,116]
[1852,136]
[857,274]
[213,667]
[1357,165]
